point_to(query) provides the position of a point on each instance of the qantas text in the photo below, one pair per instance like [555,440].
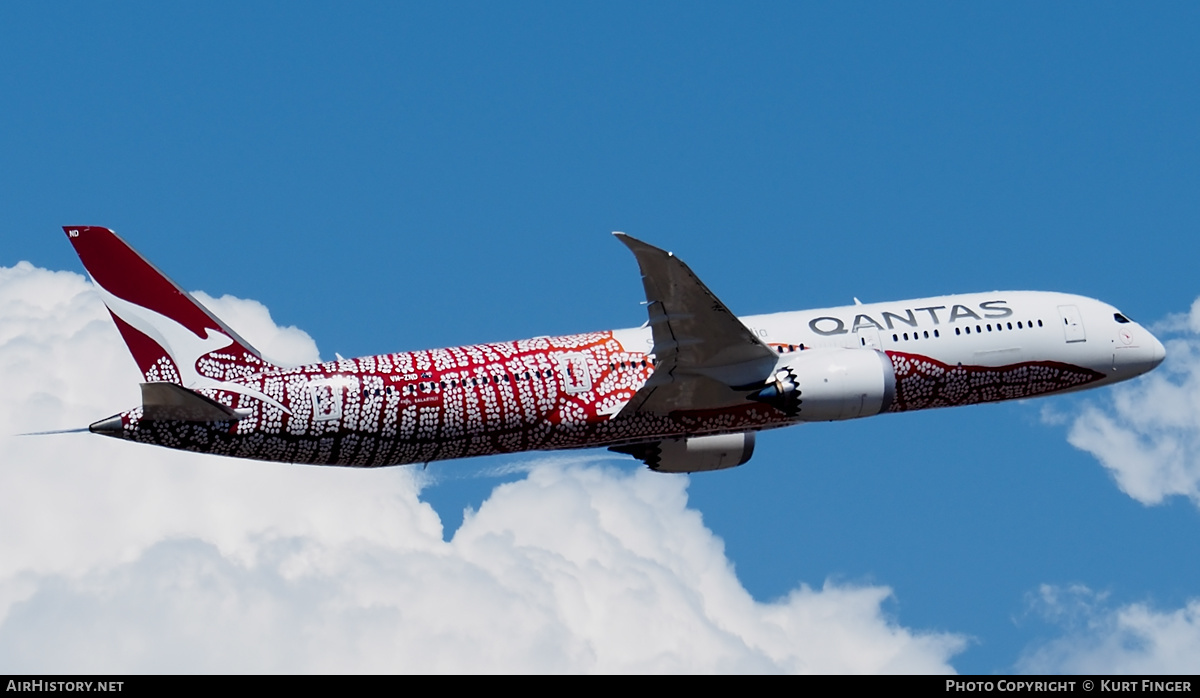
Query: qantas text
[911,317]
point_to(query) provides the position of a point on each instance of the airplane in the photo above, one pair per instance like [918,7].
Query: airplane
[685,392]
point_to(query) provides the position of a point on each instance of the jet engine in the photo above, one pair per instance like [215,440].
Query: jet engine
[825,385]
[691,454]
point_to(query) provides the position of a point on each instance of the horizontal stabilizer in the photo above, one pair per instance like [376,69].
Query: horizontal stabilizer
[169,402]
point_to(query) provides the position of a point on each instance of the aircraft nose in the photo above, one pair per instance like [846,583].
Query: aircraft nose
[1157,353]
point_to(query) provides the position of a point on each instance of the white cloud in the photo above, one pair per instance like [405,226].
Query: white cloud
[285,346]
[1147,433]
[1131,639]
[128,558]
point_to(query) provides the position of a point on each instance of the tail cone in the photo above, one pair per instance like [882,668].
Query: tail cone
[113,426]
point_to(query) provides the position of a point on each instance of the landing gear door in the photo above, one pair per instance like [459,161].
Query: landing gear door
[1072,323]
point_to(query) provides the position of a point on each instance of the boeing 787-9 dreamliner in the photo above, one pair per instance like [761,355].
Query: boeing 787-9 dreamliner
[685,392]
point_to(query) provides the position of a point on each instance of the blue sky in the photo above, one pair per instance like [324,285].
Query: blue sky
[396,176]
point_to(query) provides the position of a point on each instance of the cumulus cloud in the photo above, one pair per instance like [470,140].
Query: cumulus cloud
[1147,433]
[128,558]
[1130,639]
[285,346]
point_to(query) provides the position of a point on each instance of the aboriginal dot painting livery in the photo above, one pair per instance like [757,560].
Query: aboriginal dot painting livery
[686,392]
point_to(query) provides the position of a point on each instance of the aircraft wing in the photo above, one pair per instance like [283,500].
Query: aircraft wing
[700,348]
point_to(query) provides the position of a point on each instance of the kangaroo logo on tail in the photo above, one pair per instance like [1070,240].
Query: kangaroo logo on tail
[166,329]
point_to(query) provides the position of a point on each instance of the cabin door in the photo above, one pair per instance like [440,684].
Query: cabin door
[868,338]
[574,371]
[326,400]
[1072,323]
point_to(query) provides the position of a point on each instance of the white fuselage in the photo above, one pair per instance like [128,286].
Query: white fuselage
[980,329]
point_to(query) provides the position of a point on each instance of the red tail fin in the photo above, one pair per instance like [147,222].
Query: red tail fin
[171,336]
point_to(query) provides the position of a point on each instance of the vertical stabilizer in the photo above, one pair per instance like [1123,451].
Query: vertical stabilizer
[173,338]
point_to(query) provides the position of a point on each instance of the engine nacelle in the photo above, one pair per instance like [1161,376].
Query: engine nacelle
[692,454]
[825,385]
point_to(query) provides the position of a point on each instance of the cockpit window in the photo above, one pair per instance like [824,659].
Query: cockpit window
[1121,318]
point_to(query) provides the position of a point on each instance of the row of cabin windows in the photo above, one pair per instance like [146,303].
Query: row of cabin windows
[427,386]
[1028,324]
[979,329]
[789,348]
[896,337]
[630,364]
